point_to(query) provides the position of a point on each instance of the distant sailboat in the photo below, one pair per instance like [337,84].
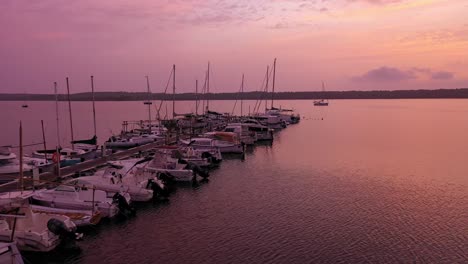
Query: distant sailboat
[321,102]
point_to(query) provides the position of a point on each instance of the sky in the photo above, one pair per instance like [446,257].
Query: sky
[348,44]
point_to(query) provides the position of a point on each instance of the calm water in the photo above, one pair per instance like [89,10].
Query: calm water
[374,181]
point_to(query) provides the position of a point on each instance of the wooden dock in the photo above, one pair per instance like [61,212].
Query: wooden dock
[84,166]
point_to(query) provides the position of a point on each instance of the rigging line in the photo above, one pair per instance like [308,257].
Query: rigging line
[165,90]
[264,93]
[237,98]
[260,90]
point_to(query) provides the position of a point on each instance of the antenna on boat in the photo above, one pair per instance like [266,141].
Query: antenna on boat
[273,88]
[70,111]
[94,107]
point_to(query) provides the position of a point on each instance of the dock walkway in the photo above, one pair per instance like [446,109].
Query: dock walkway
[86,165]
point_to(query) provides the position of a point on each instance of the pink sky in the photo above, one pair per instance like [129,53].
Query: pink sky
[350,44]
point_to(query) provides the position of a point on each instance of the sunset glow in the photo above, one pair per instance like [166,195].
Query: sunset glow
[352,45]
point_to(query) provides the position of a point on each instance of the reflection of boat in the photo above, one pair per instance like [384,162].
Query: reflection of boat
[321,102]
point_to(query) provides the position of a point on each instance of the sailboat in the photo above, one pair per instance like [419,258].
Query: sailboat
[321,102]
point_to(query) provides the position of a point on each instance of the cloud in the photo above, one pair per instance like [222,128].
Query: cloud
[442,75]
[391,74]
[385,74]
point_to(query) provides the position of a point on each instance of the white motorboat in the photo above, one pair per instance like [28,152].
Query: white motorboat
[112,183]
[9,163]
[9,253]
[242,130]
[227,142]
[78,217]
[34,231]
[286,115]
[78,198]
[262,132]
[271,121]
[198,157]
[162,163]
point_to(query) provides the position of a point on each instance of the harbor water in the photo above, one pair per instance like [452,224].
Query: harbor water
[359,181]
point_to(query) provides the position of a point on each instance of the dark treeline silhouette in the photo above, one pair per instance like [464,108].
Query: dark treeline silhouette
[130,96]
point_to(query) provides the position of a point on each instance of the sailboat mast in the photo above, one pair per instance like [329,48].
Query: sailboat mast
[94,107]
[44,141]
[273,88]
[57,114]
[149,102]
[173,92]
[208,88]
[242,94]
[21,156]
[70,112]
[196,97]
[266,86]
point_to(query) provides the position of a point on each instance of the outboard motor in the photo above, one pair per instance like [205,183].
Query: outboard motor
[123,205]
[212,159]
[157,190]
[59,228]
[167,179]
[197,170]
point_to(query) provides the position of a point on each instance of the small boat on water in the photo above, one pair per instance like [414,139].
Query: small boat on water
[321,102]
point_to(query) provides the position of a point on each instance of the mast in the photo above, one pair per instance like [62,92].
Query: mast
[21,156]
[94,107]
[173,92]
[57,114]
[242,94]
[266,87]
[149,103]
[70,112]
[273,88]
[208,88]
[44,141]
[196,97]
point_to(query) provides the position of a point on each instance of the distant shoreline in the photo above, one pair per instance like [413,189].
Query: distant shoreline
[139,96]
